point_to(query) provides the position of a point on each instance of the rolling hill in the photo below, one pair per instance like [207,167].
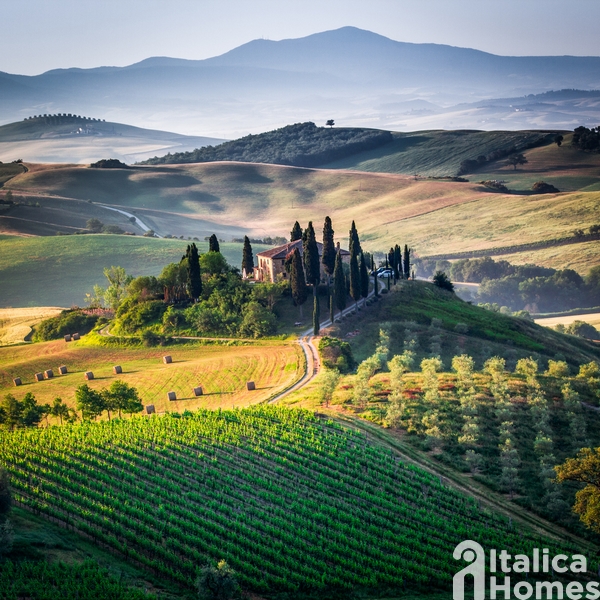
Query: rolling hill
[83,140]
[60,270]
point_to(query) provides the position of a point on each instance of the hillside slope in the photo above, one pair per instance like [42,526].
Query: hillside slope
[259,488]
[60,270]
[83,140]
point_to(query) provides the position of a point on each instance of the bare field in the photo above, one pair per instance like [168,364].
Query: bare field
[222,371]
[16,323]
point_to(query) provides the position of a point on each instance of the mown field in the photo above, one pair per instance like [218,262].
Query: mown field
[16,323]
[295,503]
[46,271]
[221,370]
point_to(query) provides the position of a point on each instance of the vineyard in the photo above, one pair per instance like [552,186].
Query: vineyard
[43,581]
[293,502]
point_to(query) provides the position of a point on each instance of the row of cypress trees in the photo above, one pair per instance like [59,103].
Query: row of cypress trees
[306,269]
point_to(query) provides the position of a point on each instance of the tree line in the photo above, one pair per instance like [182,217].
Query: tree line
[301,145]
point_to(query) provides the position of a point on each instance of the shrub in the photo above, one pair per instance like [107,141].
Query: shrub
[136,316]
[336,354]
[583,330]
[68,321]
[541,187]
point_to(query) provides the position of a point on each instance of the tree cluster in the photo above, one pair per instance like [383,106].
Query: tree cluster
[119,398]
[586,139]
[301,145]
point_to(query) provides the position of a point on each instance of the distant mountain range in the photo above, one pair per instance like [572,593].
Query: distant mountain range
[354,76]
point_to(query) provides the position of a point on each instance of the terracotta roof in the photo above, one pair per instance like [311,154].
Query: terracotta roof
[283,251]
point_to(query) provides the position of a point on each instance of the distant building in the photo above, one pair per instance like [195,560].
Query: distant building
[271,263]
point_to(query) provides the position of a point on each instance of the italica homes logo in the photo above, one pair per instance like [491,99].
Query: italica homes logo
[507,574]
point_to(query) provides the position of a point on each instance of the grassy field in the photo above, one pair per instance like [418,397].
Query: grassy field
[16,323]
[60,270]
[434,153]
[579,257]
[221,370]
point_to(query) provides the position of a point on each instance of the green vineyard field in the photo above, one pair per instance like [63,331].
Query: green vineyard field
[293,502]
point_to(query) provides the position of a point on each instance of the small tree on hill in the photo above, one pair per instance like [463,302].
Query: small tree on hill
[95,225]
[213,244]
[441,280]
[296,233]
[122,398]
[330,123]
[247,258]
[89,402]
[516,160]
[217,583]
[397,261]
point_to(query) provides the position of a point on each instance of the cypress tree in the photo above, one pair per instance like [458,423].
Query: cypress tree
[406,262]
[193,271]
[354,242]
[397,261]
[355,283]
[376,285]
[296,233]
[297,281]
[339,283]
[331,306]
[213,244]
[312,266]
[328,258]
[316,316]
[247,257]
[364,277]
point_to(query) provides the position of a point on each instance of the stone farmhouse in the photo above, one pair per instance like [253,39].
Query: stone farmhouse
[270,264]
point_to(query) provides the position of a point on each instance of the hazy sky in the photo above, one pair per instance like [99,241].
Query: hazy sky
[38,35]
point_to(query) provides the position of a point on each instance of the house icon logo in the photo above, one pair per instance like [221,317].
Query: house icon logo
[474,554]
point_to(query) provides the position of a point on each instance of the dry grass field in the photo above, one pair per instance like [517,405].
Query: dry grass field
[579,257]
[591,318]
[222,371]
[16,323]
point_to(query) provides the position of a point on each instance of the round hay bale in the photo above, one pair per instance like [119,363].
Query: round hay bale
[171,396]
[198,391]
[89,375]
[39,377]
[150,410]
[75,336]
[62,370]
[17,381]
[48,374]
[167,359]
[250,386]
[68,338]
[117,370]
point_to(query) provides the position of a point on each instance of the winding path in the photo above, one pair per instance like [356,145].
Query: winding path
[138,222]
